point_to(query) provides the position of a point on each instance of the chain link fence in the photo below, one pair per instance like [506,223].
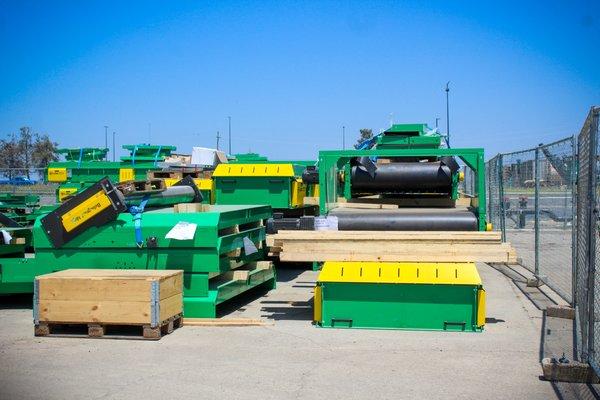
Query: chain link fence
[545,201]
[587,289]
[530,200]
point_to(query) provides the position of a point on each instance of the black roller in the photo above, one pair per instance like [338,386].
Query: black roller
[392,220]
[403,177]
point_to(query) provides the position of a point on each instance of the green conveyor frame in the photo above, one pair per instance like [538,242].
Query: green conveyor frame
[333,161]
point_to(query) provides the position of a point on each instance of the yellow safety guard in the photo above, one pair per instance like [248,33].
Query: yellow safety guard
[249,170]
[402,272]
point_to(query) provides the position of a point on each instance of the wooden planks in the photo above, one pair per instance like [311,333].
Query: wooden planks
[103,297]
[307,246]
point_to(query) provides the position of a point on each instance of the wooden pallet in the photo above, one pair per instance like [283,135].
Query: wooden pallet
[109,331]
[170,174]
[307,246]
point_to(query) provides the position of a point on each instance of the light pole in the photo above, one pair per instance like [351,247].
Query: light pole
[437,120]
[229,119]
[343,137]
[218,137]
[114,133]
[447,115]
[105,136]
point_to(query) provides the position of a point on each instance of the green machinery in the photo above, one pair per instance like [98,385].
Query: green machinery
[405,166]
[85,166]
[276,184]
[220,251]
[428,296]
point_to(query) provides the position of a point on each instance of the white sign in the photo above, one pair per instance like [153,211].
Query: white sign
[182,231]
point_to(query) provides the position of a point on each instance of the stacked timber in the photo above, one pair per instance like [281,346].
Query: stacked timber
[418,246]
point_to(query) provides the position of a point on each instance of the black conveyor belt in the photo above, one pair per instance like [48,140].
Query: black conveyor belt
[404,220]
[403,176]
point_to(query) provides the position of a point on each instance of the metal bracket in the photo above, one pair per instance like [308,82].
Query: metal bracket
[154,304]
[36,302]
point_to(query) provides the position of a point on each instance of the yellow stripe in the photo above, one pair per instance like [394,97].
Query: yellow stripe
[390,272]
[85,211]
[246,170]
[480,307]
[202,184]
[317,305]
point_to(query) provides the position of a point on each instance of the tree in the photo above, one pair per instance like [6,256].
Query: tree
[10,158]
[26,147]
[26,151]
[365,134]
[44,151]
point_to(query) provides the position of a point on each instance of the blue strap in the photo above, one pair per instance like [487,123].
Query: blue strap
[136,212]
[135,148]
[157,154]
[80,157]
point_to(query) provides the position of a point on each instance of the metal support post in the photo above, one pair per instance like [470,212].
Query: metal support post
[537,212]
[592,232]
[500,166]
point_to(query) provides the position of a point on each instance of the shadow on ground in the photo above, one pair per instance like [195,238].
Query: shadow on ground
[16,302]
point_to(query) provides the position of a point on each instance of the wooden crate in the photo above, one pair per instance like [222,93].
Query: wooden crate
[99,297]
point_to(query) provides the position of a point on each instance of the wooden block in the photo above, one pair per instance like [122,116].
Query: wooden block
[152,332]
[572,371]
[41,329]
[311,201]
[560,312]
[191,208]
[95,330]
[99,297]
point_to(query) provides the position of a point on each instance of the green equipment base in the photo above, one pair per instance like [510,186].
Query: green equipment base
[221,291]
[417,296]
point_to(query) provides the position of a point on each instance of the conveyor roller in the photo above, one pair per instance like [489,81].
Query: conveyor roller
[403,177]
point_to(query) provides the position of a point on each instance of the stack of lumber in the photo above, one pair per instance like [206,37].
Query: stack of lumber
[406,246]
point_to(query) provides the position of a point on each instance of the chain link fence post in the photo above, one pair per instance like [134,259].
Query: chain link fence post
[536,224]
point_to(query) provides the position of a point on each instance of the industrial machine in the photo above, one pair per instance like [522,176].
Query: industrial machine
[429,296]
[85,166]
[144,226]
[279,185]
[407,167]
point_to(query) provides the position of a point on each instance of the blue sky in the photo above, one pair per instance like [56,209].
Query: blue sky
[291,74]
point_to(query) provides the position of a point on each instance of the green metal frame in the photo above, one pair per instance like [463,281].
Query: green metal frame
[332,161]
[207,260]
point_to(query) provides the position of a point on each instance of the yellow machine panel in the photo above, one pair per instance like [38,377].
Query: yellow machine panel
[239,170]
[126,174]
[57,174]
[85,211]
[298,192]
[63,193]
